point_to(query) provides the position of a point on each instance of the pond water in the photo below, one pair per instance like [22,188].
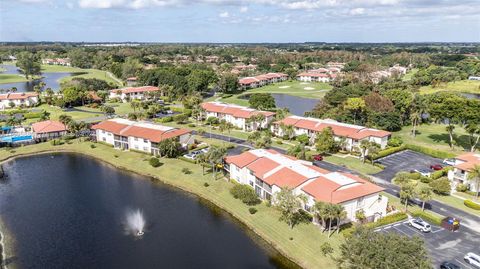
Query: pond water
[471,95]
[68,211]
[51,79]
[297,105]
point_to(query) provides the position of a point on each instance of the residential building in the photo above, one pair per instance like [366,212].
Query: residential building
[336,65]
[20,99]
[142,136]
[313,76]
[398,69]
[261,80]
[461,170]
[268,171]
[473,78]
[48,129]
[57,61]
[130,93]
[351,134]
[239,116]
[131,81]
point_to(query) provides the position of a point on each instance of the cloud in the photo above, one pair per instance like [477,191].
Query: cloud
[243,9]
[357,11]
[33,1]
[224,15]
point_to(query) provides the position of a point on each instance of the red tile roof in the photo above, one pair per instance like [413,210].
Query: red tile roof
[236,111]
[469,159]
[285,177]
[17,96]
[49,126]
[136,89]
[110,126]
[241,160]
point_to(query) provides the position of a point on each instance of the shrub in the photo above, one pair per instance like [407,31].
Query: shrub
[388,220]
[303,138]
[201,131]
[213,121]
[462,187]
[427,180]
[471,204]
[252,210]
[206,184]
[92,146]
[33,115]
[192,125]
[279,142]
[395,142]
[167,119]
[415,176]
[438,174]
[186,171]
[245,193]
[388,151]
[116,156]
[431,218]
[154,162]
[441,186]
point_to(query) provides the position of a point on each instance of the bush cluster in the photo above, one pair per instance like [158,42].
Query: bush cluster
[433,219]
[471,204]
[154,162]
[431,152]
[441,186]
[245,193]
[388,151]
[461,187]
[252,210]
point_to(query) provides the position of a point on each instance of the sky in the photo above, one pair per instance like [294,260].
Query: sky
[237,21]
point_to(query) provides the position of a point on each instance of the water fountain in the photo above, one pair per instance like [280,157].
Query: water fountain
[135,223]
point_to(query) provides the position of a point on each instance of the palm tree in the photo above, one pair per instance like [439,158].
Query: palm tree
[287,130]
[416,118]
[424,195]
[134,104]
[474,174]
[320,211]
[340,213]
[407,192]
[450,129]
[331,213]
[215,156]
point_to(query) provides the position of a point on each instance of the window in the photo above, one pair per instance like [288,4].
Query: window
[251,183]
[104,139]
[136,147]
[360,202]
[109,134]
[103,131]
[145,141]
[136,139]
[145,148]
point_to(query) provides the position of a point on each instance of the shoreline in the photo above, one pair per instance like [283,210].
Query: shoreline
[236,217]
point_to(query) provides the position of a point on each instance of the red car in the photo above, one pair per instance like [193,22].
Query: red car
[318,157]
[436,167]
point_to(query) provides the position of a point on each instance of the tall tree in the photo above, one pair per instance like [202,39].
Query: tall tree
[325,142]
[29,63]
[407,192]
[474,175]
[425,194]
[473,131]
[215,157]
[288,203]
[356,106]
[228,83]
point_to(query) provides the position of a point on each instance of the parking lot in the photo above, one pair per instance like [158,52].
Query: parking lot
[405,160]
[443,245]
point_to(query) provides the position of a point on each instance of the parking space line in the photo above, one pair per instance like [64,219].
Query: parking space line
[402,232]
[467,266]
[415,230]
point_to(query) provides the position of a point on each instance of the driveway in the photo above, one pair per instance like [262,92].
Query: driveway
[405,160]
[442,244]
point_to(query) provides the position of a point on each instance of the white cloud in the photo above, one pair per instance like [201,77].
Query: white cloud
[243,9]
[33,1]
[357,11]
[224,14]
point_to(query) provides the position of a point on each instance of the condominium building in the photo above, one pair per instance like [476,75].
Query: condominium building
[461,170]
[268,171]
[261,80]
[143,136]
[130,93]
[19,99]
[239,116]
[352,134]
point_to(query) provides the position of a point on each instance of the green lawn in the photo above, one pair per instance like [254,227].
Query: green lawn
[93,73]
[315,90]
[435,136]
[301,244]
[409,74]
[55,112]
[465,86]
[354,164]
[11,78]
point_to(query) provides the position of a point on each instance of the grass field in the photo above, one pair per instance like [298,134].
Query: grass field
[354,164]
[435,136]
[465,86]
[89,73]
[408,76]
[314,90]
[301,244]
[11,78]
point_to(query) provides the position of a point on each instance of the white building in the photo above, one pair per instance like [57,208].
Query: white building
[261,80]
[238,116]
[316,77]
[352,134]
[57,61]
[130,93]
[460,173]
[268,171]
[25,99]
[143,136]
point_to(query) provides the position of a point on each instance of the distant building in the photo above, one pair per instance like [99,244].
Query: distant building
[238,116]
[131,81]
[353,134]
[315,77]
[49,129]
[336,65]
[20,99]
[57,61]
[136,135]
[268,171]
[473,78]
[460,173]
[130,93]
[261,80]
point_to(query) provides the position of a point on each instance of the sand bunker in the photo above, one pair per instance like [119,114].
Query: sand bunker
[283,87]
[309,88]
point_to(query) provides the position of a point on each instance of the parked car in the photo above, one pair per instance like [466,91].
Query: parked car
[423,172]
[436,167]
[449,265]
[472,259]
[205,150]
[196,152]
[318,157]
[449,161]
[190,156]
[420,224]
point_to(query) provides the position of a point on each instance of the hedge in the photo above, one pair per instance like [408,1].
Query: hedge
[388,151]
[186,159]
[429,151]
[471,204]
[431,218]
[388,220]
[33,115]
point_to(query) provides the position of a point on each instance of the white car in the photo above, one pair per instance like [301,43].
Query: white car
[205,150]
[190,156]
[449,162]
[420,224]
[472,259]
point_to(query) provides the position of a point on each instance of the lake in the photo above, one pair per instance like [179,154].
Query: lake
[297,105]
[68,211]
[51,79]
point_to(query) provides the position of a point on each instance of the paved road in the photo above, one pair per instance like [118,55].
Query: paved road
[442,244]
[469,220]
[405,160]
